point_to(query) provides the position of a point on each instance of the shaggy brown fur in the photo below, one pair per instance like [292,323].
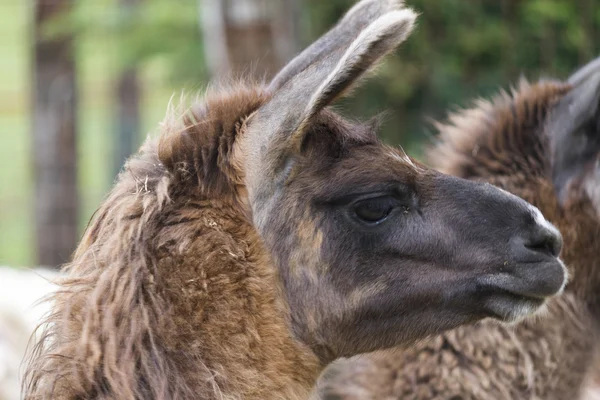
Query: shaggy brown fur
[505,142]
[167,256]
[235,256]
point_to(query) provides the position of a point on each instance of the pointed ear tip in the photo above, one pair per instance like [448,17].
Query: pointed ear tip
[402,22]
[407,14]
[406,17]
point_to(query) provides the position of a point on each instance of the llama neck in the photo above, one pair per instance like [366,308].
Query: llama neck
[229,317]
[231,322]
[170,298]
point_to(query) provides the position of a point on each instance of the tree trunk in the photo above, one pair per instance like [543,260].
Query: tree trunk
[54,140]
[128,103]
[128,116]
[249,38]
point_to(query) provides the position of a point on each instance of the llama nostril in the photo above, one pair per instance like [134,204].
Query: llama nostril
[546,241]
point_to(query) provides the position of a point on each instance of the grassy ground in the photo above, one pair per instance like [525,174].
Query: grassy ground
[96,60]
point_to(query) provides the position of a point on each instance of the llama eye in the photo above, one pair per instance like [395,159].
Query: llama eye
[374,210]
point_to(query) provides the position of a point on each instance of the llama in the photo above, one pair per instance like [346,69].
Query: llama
[542,143]
[263,236]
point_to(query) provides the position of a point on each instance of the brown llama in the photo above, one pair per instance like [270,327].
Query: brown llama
[542,143]
[263,236]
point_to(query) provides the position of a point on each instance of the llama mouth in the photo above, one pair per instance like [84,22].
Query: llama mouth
[511,298]
[535,282]
[510,307]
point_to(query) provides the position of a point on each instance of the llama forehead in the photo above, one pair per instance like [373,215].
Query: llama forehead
[399,155]
[361,169]
[333,133]
[339,156]
[327,137]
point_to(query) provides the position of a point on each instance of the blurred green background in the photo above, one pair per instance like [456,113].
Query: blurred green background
[461,49]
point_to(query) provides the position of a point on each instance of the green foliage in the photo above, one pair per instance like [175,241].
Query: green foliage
[151,29]
[463,49]
[460,49]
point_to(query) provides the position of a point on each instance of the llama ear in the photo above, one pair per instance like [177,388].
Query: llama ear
[276,130]
[356,19]
[574,127]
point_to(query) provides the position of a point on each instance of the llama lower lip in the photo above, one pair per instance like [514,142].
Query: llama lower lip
[518,294]
[533,282]
[510,307]
[509,298]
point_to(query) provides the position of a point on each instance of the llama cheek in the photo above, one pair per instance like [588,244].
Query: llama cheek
[363,293]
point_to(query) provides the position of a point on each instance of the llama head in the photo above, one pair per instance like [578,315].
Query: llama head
[373,248]
[574,131]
